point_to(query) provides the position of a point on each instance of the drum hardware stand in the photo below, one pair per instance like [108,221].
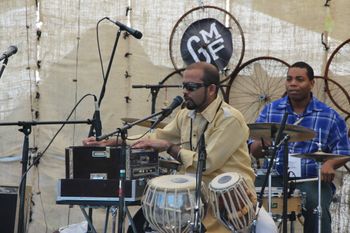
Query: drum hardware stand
[271,159]
[285,183]
[278,142]
[292,219]
[26,130]
[197,227]
[318,209]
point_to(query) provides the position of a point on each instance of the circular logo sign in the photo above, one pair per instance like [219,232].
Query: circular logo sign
[207,40]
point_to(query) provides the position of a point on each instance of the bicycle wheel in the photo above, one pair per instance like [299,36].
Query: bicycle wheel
[338,70]
[166,95]
[256,83]
[207,33]
[321,91]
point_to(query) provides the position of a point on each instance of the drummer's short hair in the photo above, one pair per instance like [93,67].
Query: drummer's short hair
[211,73]
[304,65]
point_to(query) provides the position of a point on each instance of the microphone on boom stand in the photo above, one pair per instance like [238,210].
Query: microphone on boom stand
[168,110]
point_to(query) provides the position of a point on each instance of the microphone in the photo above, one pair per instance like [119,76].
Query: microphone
[135,33]
[97,120]
[168,110]
[9,52]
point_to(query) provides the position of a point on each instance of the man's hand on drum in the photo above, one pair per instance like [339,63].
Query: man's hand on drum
[156,144]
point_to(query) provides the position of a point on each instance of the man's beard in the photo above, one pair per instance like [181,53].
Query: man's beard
[190,105]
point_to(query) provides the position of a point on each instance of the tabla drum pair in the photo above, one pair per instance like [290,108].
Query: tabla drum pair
[168,203]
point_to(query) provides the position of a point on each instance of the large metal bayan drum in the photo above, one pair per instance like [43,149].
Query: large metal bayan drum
[232,201]
[168,203]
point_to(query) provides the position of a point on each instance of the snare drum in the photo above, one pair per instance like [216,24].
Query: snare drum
[295,202]
[232,201]
[168,203]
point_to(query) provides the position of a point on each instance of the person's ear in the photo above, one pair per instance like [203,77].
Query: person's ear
[212,89]
[312,83]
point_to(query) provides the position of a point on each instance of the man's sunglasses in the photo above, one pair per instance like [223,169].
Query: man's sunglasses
[193,86]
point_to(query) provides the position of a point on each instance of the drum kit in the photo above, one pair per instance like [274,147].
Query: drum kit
[266,131]
[168,203]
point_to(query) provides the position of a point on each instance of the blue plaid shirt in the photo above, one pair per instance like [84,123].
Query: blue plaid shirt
[334,132]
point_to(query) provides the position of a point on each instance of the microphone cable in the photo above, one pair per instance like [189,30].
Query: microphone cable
[37,158]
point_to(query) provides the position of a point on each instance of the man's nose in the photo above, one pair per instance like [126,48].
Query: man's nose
[292,82]
[185,91]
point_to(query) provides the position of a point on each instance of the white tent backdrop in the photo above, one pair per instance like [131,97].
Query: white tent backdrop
[51,72]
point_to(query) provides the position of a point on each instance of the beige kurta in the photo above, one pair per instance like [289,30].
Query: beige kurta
[226,144]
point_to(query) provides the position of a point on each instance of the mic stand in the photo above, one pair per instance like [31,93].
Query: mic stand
[273,156]
[201,166]
[4,64]
[121,193]
[128,126]
[154,92]
[105,79]
[26,130]
[122,173]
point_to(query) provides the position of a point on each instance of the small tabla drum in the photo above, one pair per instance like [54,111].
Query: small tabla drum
[232,201]
[168,203]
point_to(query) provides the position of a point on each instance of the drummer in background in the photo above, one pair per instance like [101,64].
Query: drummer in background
[305,110]
[225,133]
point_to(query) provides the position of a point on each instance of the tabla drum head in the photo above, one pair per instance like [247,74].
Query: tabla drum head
[172,182]
[224,180]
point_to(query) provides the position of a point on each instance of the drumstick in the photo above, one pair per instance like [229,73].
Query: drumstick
[303,180]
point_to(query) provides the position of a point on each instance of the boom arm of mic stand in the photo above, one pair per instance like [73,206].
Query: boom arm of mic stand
[154,92]
[128,126]
[26,130]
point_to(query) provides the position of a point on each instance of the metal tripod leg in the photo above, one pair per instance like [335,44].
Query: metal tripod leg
[87,219]
[270,194]
[318,209]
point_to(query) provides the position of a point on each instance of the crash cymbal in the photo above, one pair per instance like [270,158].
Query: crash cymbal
[269,131]
[146,123]
[319,156]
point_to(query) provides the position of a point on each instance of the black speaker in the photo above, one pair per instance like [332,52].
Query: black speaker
[9,207]
[8,203]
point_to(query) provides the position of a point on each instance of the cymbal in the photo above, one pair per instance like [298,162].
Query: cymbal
[319,156]
[146,123]
[268,131]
